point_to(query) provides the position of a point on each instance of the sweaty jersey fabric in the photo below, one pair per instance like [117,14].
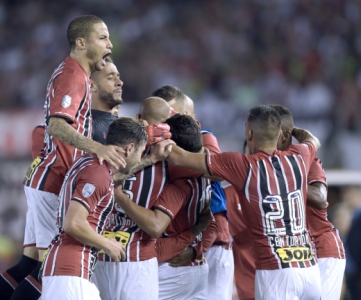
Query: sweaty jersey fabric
[68,96]
[273,191]
[101,122]
[325,235]
[91,185]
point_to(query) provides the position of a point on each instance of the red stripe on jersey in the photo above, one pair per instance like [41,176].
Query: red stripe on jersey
[68,78]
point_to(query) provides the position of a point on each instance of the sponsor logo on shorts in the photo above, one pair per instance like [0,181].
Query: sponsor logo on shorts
[88,190]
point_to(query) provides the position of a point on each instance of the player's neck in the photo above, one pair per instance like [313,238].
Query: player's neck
[268,150]
[83,61]
[97,105]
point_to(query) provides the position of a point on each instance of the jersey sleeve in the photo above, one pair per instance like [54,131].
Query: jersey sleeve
[173,197]
[208,237]
[68,92]
[230,166]
[210,142]
[91,186]
[167,248]
[316,173]
[179,172]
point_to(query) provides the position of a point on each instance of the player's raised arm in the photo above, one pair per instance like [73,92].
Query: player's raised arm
[179,157]
[303,135]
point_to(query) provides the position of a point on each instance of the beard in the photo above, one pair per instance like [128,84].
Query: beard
[108,99]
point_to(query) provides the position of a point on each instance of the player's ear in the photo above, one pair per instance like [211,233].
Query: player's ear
[80,43]
[249,134]
[129,149]
[93,86]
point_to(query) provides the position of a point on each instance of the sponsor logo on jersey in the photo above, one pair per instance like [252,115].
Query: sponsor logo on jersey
[88,190]
[66,101]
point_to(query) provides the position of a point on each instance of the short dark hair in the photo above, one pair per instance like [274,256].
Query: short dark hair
[285,115]
[81,27]
[265,122]
[126,130]
[185,132]
[169,92]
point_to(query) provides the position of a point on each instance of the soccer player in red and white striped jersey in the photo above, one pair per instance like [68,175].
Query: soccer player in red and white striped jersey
[67,135]
[220,255]
[330,250]
[85,203]
[274,184]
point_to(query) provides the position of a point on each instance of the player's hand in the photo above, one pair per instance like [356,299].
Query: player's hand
[204,218]
[115,250]
[161,150]
[157,133]
[110,154]
[119,196]
[186,256]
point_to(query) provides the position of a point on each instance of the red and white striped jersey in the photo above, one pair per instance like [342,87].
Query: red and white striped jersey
[143,188]
[273,191]
[68,96]
[325,236]
[90,184]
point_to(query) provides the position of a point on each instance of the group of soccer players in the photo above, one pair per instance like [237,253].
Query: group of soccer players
[133,208]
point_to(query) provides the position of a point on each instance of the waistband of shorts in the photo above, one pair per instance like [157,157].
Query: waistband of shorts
[225,245]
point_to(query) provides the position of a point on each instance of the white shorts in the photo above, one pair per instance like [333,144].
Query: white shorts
[127,280]
[332,271]
[221,273]
[68,288]
[40,226]
[183,283]
[290,283]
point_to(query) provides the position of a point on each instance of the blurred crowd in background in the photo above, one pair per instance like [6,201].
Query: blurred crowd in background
[226,55]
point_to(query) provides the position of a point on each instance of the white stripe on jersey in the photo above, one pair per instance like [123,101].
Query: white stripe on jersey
[246,188]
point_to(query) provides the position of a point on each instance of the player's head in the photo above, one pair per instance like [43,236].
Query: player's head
[106,87]
[263,127]
[154,110]
[285,140]
[131,135]
[89,37]
[173,95]
[185,132]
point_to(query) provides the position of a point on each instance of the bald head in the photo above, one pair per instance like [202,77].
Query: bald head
[188,106]
[154,110]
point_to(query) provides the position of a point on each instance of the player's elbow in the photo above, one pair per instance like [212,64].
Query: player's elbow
[70,227]
[155,231]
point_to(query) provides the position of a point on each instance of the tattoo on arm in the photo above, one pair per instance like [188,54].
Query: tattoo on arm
[59,128]
[145,162]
